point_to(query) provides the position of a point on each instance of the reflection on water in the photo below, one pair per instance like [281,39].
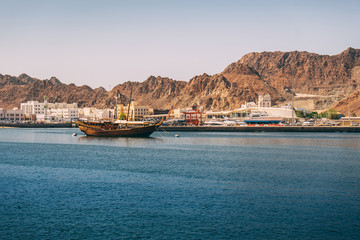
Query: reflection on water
[123,141]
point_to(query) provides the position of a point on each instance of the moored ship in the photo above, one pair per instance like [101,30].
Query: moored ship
[118,128]
[262,119]
[113,129]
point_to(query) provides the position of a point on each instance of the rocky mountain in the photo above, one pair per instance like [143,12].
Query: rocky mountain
[343,105]
[320,82]
[319,79]
[15,90]
[157,92]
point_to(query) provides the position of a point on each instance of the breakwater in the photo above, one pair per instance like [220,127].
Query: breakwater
[259,129]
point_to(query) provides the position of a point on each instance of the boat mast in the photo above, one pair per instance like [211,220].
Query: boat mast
[116,106]
[127,116]
[292,98]
[349,98]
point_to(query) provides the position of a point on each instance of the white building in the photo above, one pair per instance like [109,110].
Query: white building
[32,107]
[62,105]
[14,115]
[62,114]
[95,114]
[2,113]
[248,105]
[51,111]
[264,101]
[245,112]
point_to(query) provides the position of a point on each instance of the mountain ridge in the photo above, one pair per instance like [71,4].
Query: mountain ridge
[253,74]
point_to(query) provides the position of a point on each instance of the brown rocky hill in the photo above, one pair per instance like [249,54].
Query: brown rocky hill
[158,92]
[321,80]
[208,92]
[313,73]
[343,105]
[15,90]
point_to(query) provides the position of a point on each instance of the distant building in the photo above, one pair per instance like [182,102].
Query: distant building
[249,105]
[62,114]
[161,111]
[33,107]
[179,113]
[264,101]
[2,113]
[62,105]
[287,106]
[137,112]
[246,111]
[94,114]
[50,111]
[14,115]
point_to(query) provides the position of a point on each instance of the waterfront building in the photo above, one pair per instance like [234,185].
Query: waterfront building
[179,113]
[176,114]
[33,107]
[94,114]
[14,115]
[137,112]
[62,114]
[249,105]
[287,106]
[349,121]
[245,112]
[2,113]
[264,100]
[119,112]
[57,105]
[50,111]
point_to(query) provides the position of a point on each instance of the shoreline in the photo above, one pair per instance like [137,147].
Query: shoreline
[208,128]
[259,129]
[37,125]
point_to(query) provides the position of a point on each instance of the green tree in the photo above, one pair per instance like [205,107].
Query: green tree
[333,114]
[299,113]
[313,115]
[122,116]
[324,114]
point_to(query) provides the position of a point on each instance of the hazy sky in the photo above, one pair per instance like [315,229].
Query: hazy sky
[104,43]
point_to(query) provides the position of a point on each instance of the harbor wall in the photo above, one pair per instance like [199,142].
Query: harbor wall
[259,129]
[38,125]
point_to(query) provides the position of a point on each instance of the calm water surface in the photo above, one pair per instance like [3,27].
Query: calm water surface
[197,186]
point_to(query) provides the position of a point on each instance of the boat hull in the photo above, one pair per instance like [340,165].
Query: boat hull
[99,131]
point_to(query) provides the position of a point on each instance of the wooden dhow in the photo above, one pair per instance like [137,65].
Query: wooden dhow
[118,128]
[113,129]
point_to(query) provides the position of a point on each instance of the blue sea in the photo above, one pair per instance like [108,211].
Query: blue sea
[196,186]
